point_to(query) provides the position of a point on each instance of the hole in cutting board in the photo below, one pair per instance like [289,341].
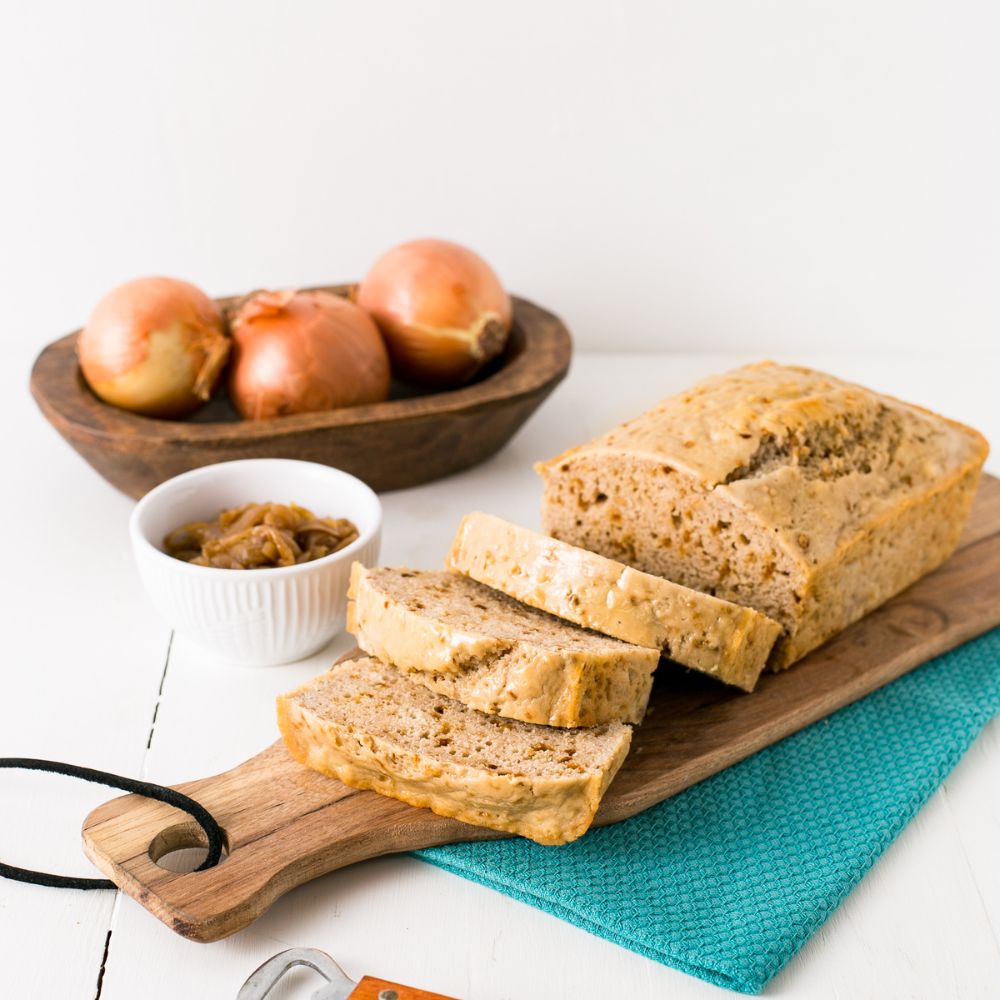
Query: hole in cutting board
[185,859]
[181,848]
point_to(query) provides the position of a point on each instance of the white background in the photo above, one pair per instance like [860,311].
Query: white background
[758,176]
[815,181]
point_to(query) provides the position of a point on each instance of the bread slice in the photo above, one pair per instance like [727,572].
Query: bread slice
[366,724]
[489,652]
[697,630]
[810,499]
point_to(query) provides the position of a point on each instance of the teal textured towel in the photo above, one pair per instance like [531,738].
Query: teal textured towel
[727,880]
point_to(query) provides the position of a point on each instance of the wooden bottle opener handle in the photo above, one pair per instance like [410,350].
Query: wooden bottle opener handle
[381,989]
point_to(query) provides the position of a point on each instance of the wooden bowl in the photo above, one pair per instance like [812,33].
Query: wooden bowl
[405,441]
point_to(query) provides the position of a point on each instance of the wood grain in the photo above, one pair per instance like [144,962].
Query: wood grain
[286,824]
[403,442]
[372,989]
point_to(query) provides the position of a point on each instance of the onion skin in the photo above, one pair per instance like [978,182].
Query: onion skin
[302,352]
[154,346]
[440,307]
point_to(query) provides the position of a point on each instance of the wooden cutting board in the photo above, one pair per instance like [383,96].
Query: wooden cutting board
[286,825]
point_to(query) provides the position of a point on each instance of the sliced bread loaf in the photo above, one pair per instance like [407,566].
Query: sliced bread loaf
[697,630]
[808,498]
[368,725]
[480,647]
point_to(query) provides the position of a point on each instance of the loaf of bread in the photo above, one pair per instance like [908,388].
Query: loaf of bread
[697,630]
[369,726]
[489,652]
[805,497]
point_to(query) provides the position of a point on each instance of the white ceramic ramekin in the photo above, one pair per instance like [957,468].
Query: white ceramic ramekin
[255,617]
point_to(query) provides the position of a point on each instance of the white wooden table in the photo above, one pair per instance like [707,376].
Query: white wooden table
[90,675]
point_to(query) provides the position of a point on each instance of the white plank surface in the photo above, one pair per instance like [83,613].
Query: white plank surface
[83,647]
[82,657]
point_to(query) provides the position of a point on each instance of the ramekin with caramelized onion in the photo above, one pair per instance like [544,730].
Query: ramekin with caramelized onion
[267,616]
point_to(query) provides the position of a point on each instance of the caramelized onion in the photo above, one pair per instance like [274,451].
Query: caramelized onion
[298,352]
[155,346]
[441,308]
[260,535]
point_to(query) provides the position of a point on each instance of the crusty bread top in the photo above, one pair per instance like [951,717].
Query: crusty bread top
[810,454]
[373,698]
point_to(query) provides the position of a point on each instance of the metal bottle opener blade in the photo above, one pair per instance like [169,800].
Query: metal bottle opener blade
[338,986]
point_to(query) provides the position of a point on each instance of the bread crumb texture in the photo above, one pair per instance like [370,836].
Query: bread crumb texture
[471,643]
[368,725]
[810,499]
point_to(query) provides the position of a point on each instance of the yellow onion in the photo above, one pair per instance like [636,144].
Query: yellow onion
[154,346]
[441,309]
[298,352]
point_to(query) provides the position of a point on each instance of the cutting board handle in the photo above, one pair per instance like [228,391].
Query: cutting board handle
[283,824]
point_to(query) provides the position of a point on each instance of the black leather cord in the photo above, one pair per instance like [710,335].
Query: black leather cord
[159,792]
